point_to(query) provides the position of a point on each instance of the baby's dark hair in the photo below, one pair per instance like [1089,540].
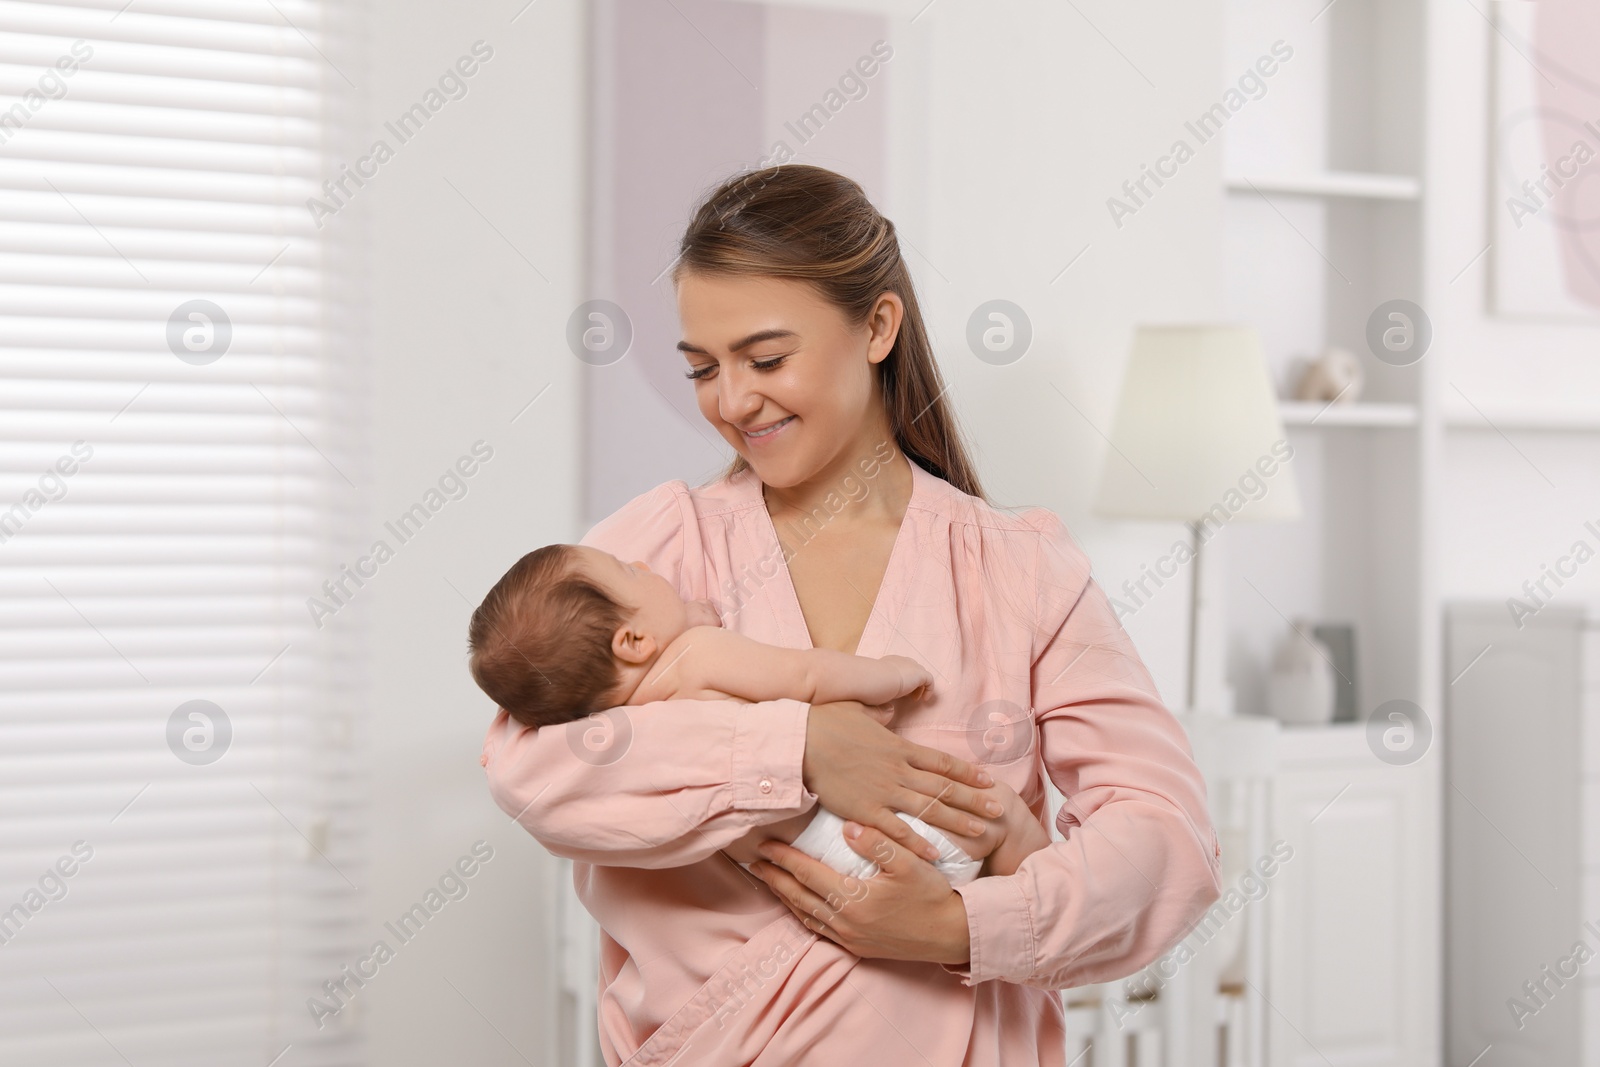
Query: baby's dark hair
[541,640]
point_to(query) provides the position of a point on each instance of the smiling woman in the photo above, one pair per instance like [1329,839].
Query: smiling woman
[729,268]
[807,352]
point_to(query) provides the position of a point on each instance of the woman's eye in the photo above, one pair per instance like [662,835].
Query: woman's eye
[759,364]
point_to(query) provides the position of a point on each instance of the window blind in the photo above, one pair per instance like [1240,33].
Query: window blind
[179,861]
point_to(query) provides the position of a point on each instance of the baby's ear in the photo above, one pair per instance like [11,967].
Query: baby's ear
[632,645]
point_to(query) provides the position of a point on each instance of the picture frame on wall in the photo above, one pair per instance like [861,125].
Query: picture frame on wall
[1545,148]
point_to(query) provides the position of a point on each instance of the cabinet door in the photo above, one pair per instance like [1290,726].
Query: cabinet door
[1352,916]
[1513,836]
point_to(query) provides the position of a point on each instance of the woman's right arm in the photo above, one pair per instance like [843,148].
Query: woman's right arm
[670,782]
[657,785]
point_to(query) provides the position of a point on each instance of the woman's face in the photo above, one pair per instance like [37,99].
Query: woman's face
[781,373]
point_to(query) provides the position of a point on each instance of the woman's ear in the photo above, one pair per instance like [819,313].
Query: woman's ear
[883,324]
[631,645]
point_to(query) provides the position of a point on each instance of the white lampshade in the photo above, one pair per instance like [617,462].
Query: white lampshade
[1196,427]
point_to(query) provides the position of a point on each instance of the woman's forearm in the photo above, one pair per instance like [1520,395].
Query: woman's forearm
[658,785]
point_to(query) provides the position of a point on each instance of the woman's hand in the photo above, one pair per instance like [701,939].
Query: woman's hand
[907,911]
[862,771]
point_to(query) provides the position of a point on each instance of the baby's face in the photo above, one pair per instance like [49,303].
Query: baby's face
[657,608]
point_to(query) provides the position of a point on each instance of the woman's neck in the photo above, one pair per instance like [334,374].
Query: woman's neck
[876,464]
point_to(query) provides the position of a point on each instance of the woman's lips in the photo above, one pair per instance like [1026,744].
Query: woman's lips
[769,432]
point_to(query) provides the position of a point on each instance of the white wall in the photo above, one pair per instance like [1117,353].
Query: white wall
[1035,119]
[465,332]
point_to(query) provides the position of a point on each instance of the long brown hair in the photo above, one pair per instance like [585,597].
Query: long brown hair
[807,223]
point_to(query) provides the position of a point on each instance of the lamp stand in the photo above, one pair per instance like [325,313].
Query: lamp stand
[1194,612]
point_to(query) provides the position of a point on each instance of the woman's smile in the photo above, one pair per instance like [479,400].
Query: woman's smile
[767,431]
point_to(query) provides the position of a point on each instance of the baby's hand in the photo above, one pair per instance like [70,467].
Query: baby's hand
[913,675]
[1021,833]
[703,613]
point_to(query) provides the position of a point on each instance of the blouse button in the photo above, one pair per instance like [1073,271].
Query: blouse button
[766,785]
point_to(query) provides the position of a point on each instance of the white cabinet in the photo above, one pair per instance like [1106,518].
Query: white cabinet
[1323,232]
[1352,923]
[1523,837]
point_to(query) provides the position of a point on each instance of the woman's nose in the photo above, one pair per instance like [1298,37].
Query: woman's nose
[737,401]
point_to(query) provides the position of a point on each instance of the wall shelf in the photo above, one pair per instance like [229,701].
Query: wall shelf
[1322,225]
[1330,183]
[1318,413]
[1459,416]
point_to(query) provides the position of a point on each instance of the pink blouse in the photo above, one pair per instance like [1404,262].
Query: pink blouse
[701,964]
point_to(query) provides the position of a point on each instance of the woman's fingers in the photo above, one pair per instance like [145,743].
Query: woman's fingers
[811,888]
[935,813]
[789,889]
[862,771]
[896,829]
[877,848]
[951,794]
[947,766]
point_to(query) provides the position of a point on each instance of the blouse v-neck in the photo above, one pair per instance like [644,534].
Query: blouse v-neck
[880,617]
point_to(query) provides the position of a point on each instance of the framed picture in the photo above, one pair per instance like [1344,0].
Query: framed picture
[1545,174]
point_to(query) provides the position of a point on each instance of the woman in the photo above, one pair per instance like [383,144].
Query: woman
[852,519]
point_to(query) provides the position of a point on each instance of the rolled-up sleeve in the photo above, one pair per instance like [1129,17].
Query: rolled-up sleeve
[1139,863]
[658,785]
[661,784]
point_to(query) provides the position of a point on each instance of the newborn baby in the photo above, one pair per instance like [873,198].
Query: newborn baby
[570,630]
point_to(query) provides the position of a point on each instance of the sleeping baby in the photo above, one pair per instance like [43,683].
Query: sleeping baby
[570,630]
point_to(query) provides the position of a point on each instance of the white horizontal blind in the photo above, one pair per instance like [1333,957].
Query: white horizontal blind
[169,498]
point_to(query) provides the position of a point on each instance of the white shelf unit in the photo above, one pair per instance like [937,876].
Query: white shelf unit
[1329,183]
[1550,418]
[1375,416]
[1322,223]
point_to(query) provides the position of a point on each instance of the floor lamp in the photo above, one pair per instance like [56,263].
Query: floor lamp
[1196,428]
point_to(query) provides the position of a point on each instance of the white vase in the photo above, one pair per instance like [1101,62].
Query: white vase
[1300,690]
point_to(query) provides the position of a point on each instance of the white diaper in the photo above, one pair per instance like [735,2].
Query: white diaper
[823,839]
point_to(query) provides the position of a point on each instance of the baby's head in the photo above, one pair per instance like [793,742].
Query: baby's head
[570,630]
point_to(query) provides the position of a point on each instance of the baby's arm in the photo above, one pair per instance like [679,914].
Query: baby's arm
[732,663]
[1010,839]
